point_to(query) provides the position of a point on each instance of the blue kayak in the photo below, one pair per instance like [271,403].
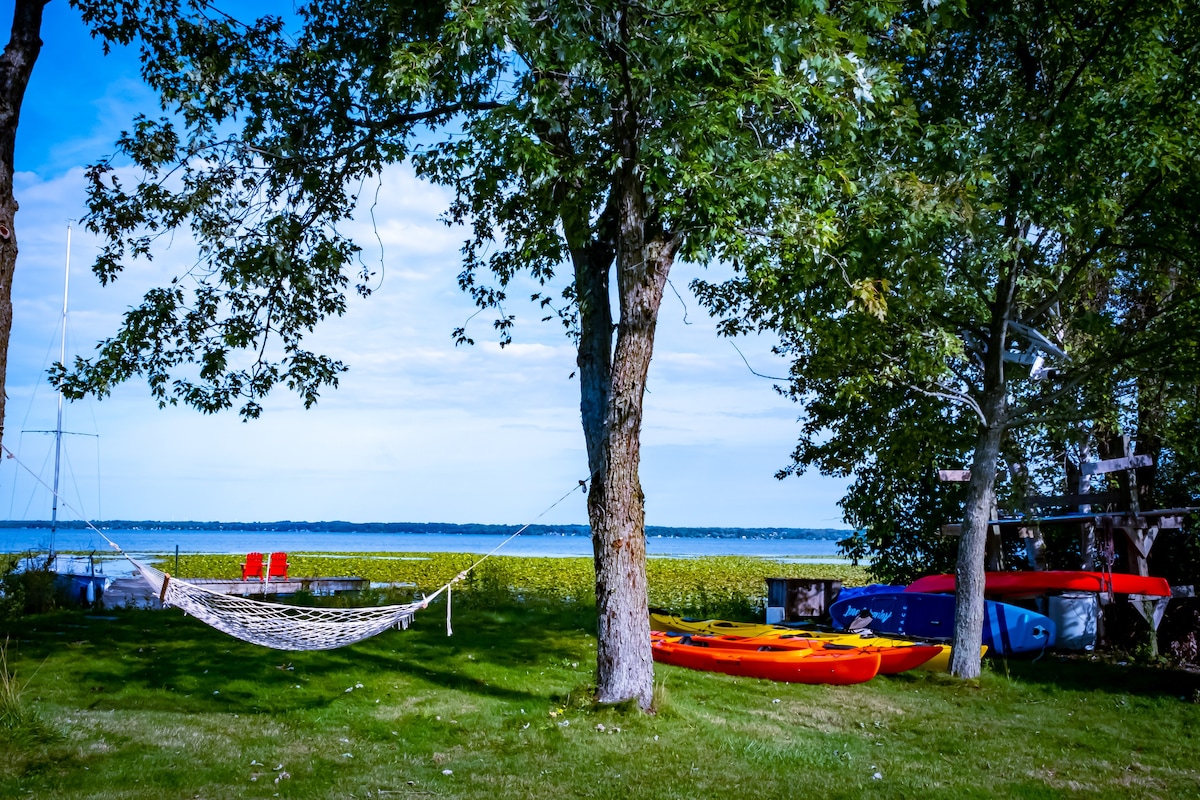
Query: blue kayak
[1006,628]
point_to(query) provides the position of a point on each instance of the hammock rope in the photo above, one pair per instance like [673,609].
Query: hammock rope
[280,626]
[275,625]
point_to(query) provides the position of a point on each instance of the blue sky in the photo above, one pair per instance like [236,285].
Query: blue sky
[419,430]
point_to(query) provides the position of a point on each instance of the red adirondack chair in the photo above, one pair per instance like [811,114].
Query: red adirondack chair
[252,567]
[277,566]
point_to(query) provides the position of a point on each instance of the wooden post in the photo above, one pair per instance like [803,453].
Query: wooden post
[1135,527]
[994,550]
[1082,484]
[1030,535]
[1136,531]
[1087,544]
[1140,534]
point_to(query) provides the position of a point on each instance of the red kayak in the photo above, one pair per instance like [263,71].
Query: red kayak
[1015,584]
[788,664]
[893,659]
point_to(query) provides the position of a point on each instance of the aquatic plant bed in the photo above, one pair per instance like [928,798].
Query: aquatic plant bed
[713,586]
[152,704]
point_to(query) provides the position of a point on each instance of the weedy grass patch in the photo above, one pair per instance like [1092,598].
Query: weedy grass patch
[152,704]
[25,735]
[709,586]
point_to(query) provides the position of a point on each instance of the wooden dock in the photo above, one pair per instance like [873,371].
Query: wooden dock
[136,593]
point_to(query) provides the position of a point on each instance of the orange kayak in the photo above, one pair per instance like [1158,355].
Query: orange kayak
[940,662]
[893,659]
[838,667]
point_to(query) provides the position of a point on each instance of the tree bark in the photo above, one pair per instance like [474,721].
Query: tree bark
[592,257]
[616,505]
[969,569]
[981,496]
[616,510]
[643,253]
[16,65]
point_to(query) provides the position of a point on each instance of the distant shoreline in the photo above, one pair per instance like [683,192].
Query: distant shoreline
[444,528]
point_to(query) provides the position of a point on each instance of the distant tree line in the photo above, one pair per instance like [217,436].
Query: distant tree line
[448,528]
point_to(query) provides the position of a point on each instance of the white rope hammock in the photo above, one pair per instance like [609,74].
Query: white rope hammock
[280,626]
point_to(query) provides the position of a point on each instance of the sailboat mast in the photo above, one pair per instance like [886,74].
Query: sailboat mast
[58,428]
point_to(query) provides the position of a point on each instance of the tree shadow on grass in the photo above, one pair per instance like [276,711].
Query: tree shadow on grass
[1071,672]
[1079,673]
[163,661]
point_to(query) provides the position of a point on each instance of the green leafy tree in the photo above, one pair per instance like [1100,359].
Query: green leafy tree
[1157,404]
[895,504]
[1038,184]
[613,138]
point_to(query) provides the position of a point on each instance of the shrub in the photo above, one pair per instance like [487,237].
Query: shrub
[27,588]
[12,593]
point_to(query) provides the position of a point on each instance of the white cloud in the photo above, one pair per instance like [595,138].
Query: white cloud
[420,429]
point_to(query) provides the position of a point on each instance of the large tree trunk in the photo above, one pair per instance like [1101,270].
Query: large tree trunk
[969,569]
[615,511]
[624,668]
[611,392]
[981,499]
[16,65]
[616,508]
[592,255]
[644,253]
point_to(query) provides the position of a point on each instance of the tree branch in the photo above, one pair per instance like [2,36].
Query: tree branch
[953,397]
[1081,263]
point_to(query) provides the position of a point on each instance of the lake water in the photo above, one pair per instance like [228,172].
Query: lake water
[17,540]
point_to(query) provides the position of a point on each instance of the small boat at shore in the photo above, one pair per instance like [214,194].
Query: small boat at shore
[1034,583]
[938,661]
[893,658]
[1006,628]
[788,664]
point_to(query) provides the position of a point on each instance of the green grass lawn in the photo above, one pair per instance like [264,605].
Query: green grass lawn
[153,704]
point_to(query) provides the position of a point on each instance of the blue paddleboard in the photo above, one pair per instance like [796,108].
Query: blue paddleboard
[1006,628]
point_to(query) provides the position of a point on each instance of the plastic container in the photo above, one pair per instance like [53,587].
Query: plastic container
[1076,615]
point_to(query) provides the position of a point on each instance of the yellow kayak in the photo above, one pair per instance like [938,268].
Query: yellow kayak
[668,622]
